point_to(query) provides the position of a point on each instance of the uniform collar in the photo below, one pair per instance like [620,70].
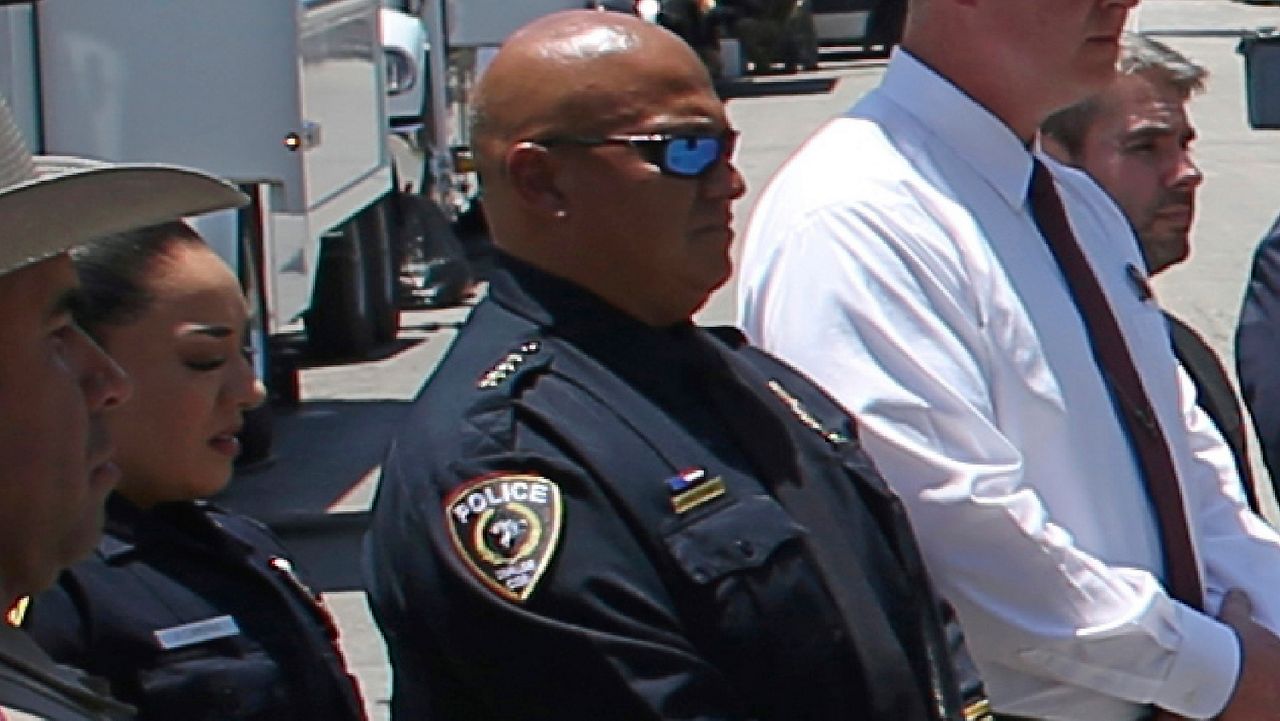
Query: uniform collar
[566,310]
[561,305]
[120,529]
[127,525]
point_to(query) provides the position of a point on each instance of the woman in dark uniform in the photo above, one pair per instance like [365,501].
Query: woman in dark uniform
[188,611]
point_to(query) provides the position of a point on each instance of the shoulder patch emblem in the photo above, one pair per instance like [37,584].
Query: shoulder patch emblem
[506,528]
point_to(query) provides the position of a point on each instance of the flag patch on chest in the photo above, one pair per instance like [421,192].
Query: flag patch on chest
[506,528]
[693,488]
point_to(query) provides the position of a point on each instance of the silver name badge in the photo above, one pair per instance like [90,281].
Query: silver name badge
[189,634]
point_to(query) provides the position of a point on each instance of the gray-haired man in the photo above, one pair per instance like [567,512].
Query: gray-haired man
[1134,138]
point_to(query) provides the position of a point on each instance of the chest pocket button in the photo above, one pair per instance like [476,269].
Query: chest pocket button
[739,536]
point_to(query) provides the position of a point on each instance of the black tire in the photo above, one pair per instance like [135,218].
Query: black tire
[340,321]
[355,305]
[381,265]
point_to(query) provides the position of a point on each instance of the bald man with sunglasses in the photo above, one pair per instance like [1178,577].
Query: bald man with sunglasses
[597,510]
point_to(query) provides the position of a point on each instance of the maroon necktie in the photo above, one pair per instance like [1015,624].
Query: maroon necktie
[1111,353]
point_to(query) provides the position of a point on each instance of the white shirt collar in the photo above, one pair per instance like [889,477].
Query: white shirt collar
[973,132]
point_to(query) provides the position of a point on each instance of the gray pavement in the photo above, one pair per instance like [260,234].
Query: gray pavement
[318,490]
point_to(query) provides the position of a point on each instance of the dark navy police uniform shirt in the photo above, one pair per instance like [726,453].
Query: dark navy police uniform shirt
[192,613]
[588,518]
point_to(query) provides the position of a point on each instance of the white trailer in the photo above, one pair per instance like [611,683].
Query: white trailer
[462,36]
[288,98]
[284,96]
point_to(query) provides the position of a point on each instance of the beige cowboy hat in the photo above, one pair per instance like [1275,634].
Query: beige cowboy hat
[50,204]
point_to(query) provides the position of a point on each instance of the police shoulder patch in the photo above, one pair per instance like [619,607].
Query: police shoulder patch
[506,528]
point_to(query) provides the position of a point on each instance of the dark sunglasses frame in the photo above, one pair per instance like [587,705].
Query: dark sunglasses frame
[656,148]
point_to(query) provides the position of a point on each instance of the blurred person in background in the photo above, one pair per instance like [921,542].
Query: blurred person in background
[775,32]
[693,21]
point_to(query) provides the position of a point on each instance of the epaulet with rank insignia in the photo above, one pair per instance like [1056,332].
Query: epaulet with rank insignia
[17,613]
[505,380]
[802,414]
[524,358]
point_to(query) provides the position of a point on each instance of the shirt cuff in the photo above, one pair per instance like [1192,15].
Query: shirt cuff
[1205,669]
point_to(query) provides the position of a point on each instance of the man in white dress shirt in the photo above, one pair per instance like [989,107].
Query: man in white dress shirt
[895,259]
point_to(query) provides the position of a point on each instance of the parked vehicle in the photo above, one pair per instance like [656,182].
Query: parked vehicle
[869,24]
[462,37]
[323,111]
[404,51]
[436,271]
[291,100]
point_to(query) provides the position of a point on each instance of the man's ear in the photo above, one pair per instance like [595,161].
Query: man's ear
[534,174]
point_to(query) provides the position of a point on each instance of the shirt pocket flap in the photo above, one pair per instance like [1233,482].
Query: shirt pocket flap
[737,537]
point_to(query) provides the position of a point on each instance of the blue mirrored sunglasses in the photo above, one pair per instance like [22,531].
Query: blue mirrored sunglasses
[683,155]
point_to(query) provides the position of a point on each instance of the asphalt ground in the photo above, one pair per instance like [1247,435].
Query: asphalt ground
[317,489]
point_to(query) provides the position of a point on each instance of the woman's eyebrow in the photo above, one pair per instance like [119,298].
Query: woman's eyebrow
[213,331]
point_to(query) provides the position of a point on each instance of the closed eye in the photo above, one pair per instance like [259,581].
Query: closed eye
[209,365]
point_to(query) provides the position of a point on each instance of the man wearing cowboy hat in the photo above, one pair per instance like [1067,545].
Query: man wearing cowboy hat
[56,385]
